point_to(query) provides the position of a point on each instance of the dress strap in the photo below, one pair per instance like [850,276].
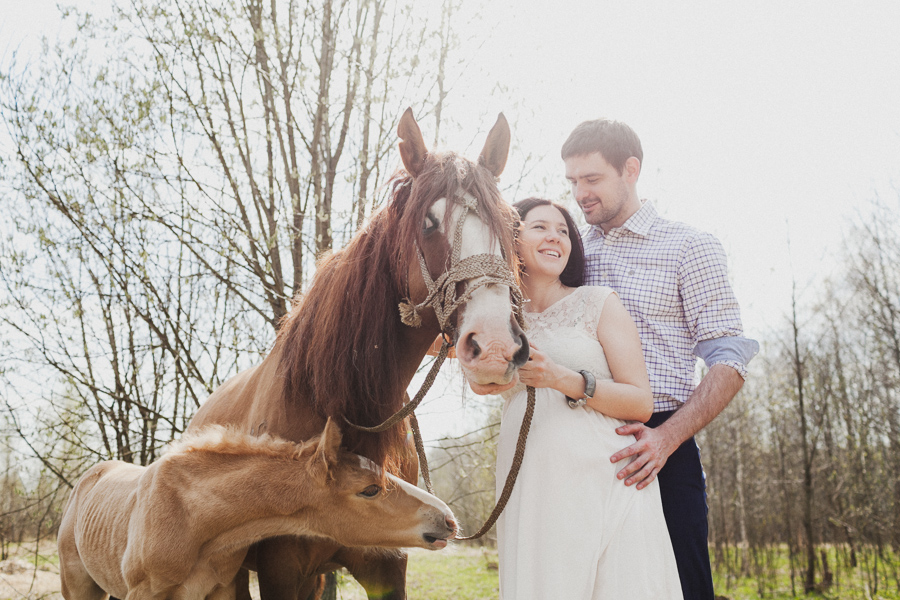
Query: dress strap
[595,297]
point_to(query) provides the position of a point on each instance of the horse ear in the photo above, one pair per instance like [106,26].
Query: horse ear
[496,148]
[326,455]
[412,145]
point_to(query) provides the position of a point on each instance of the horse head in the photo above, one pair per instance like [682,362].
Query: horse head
[464,263]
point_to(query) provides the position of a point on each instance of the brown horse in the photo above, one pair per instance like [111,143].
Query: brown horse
[180,528]
[343,352]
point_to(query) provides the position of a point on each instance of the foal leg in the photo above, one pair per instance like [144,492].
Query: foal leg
[75,581]
[79,586]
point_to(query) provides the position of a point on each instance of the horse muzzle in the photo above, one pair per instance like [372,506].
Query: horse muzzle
[491,359]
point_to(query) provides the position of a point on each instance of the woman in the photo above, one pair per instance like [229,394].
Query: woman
[571,529]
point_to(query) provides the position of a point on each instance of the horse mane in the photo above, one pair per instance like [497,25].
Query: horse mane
[342,338]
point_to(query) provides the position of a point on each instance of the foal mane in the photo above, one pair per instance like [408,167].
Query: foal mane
[342,338]
[231,441]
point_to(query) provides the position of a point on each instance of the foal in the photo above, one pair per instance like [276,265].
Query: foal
[180,528]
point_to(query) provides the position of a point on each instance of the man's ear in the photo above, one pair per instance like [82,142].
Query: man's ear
[632,169]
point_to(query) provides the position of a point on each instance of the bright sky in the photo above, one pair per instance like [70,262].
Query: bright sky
[761,122]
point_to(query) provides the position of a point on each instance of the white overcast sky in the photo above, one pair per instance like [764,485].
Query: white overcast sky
[761,122]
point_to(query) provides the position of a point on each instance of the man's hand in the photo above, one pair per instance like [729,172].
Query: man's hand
[654,446]
[651,451]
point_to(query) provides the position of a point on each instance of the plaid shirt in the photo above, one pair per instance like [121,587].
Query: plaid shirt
[672,278]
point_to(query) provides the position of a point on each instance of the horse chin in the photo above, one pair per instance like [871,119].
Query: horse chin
[435,543]
[483,389]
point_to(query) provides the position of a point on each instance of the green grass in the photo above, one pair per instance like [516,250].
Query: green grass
[464,572]
[874,577]
[459,572]
[469,573]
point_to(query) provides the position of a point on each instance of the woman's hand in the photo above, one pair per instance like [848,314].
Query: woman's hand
[540,371]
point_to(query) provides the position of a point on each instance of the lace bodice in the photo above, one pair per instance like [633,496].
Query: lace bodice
[567,332]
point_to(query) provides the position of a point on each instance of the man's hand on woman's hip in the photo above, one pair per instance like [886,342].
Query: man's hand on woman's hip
[651,451]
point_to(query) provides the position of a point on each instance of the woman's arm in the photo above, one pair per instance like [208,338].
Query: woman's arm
[628,396]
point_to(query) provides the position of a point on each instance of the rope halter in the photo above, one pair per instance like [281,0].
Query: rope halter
[481,269]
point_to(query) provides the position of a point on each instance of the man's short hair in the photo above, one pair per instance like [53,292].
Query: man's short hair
[616,141]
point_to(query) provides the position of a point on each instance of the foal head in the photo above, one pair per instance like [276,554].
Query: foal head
[361,505]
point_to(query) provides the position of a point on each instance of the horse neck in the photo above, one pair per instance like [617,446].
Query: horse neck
[418,341]
[236,489]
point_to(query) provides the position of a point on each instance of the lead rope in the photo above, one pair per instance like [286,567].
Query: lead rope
[410,405]
[513,471]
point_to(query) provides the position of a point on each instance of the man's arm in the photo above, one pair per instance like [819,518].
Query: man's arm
[654,446]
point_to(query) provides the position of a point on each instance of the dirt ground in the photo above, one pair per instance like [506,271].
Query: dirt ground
[19,580]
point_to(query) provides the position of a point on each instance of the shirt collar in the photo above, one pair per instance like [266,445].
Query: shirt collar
[640,223]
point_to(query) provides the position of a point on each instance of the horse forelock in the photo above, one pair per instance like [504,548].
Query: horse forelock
[448,175]
[342,338]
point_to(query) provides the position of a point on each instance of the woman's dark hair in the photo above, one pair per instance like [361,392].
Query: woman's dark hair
[573,274]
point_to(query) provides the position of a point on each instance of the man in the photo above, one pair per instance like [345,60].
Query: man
[673,280]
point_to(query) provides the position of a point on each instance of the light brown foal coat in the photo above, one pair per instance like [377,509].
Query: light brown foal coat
[180,528]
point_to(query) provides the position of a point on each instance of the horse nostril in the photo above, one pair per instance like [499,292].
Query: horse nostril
[476,349]
[451,524]
[521,355]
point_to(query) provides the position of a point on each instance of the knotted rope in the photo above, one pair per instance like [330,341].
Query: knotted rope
[479,270]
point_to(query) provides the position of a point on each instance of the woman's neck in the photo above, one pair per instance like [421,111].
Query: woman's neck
[543,292]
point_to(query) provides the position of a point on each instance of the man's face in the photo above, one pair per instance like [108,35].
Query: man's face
[601,192]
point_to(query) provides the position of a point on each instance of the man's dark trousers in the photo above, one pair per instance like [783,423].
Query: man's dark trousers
[682,486]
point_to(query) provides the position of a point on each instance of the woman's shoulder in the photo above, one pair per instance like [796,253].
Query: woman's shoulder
[587,306]
[596,293]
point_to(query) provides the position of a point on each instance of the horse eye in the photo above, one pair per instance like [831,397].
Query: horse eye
[430,224]
[371,491]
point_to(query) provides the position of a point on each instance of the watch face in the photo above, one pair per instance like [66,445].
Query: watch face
[590,384]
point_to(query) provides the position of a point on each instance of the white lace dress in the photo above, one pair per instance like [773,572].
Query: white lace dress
[571,530]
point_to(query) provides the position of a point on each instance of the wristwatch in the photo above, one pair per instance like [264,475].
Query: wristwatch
[590,386]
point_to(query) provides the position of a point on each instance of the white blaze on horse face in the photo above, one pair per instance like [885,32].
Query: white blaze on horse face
[414,491]
[434,523]
[437,520]
[486,343]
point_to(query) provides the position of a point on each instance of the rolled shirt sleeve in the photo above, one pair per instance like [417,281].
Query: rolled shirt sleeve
[734,351]
[711,307]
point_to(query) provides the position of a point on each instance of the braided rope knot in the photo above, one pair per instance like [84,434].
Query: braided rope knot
[483,269]
[480,270]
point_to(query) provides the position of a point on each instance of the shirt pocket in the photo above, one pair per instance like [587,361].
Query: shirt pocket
[652,293]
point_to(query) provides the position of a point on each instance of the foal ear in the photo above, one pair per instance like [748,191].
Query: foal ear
[496,148]
[326,454]
[412,145]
